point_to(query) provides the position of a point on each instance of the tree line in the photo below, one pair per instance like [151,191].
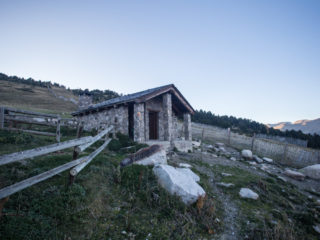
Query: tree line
[249,127]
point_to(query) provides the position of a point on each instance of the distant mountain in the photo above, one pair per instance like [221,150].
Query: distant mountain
[306,126]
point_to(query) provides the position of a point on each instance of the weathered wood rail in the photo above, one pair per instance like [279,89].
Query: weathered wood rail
[10,117]
[76,164]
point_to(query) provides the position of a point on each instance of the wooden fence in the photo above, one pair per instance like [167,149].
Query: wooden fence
[79,144]
[11,117]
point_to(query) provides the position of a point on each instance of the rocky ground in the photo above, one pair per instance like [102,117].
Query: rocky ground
[283,203]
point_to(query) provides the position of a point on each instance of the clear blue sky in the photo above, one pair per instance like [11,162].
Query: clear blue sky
[253,59]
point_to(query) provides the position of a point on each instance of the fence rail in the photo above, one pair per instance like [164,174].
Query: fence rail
[76,164]
[10,117]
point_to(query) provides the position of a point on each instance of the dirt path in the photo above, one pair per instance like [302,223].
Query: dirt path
[231,230]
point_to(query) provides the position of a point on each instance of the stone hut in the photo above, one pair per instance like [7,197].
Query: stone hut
[157,114]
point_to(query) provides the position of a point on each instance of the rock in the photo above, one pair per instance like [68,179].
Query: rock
[226,174]
[185,165]
[312,171]
[157,158]
[282,178]
[151,155]
[210,146]
[248,193]
[219,144]
[196,144]
[317,228]
[178,183]
[268,160]
[226,185]
[233,159]
[318,202]
[247,154]
[294,174]
[189,173]
[214,155]
[252,163]
[222,149]
[257,159]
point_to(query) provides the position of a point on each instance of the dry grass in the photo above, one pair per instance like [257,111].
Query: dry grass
[35,98]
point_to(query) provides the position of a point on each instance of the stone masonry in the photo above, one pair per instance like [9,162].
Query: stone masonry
[167,112]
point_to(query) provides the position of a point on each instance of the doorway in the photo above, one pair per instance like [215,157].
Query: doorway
[153,125]
[131,121]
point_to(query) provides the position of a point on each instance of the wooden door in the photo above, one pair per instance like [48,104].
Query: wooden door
[153,125]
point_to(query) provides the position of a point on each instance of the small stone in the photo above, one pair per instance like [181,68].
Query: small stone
[185,165]
[124,232]
[257,159]
[294,174]
[219,144]
[233,159]
[252,163]
[217,220]
[317,228]
[248,193]
[226,185]
[247,154]
[268,160]
[226,174]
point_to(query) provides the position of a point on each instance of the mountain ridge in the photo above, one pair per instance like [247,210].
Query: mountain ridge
[304,125]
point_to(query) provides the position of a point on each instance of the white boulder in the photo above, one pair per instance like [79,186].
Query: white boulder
[189,173]
[159,157]
[294,174]
[312,171]
[248,193]
[246,154]
[268,160]
[178,183]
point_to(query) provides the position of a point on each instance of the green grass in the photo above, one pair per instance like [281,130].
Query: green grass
[103,202]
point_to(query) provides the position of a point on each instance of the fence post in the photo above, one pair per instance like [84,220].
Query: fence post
[252,143]
[285,153]
[58,129]
[75,153]
[1,117]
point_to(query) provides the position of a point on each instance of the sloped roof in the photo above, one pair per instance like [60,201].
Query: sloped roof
[138,97]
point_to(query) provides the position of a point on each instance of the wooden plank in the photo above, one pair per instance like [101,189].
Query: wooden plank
[31,113]
[1,117]
[74,171]
[29,120]
[7,191]
[81,148]
[13,157]
[31,131]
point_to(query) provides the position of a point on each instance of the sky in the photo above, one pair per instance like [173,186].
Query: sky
[252,59]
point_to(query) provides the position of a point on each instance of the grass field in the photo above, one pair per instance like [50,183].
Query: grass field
[35,98]
[105,202]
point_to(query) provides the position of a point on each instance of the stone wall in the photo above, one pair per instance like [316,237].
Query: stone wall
[139,123]
[117,117]
[287,154]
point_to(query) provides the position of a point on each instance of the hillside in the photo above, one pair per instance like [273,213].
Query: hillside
[36,98]
[306,126]
[47,97]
